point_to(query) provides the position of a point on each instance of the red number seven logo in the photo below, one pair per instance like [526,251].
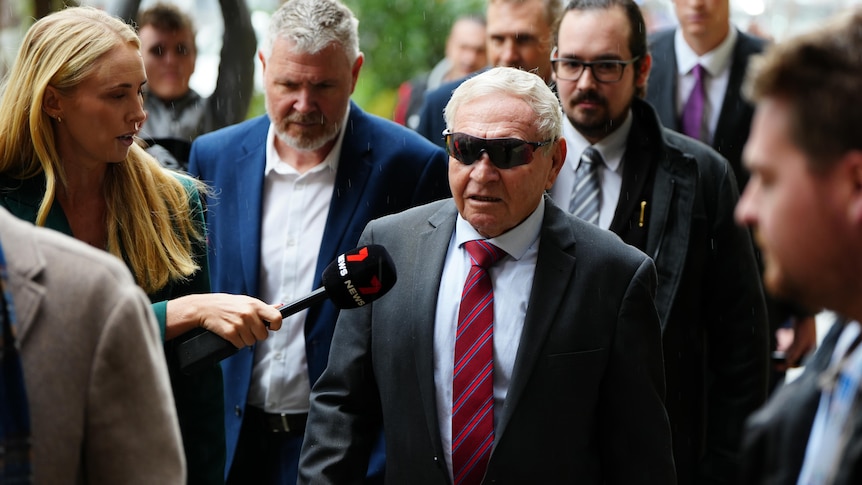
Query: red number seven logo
[360,256]
[373,289]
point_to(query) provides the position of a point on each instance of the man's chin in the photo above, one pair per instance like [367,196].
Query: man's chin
[778,286]
[306,143]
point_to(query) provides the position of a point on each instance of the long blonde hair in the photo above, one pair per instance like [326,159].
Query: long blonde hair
[149,218]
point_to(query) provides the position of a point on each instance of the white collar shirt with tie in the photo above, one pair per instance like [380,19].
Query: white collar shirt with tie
[716,63]
[839,400]
[512,280]
[612,149]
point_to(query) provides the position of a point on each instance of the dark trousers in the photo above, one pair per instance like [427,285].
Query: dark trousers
[263,457]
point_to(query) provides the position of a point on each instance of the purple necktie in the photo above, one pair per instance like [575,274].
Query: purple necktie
[692,113]
[473,376]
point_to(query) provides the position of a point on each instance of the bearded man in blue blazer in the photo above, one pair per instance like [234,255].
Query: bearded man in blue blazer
[292,190]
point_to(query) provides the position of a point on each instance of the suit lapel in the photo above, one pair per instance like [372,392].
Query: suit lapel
[663,81]
[731,114]
[430,257]
[248,174]
[555,268]
[354,170]
[668,244]
[25,274]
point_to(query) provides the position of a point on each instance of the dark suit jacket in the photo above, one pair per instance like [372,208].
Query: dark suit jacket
[431,122]
[383,168]
[585,401]
[777,435]
[734,122]
[709,295]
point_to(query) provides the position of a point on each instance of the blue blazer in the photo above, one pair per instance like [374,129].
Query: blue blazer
[734,121]
[431,122]
[384,168]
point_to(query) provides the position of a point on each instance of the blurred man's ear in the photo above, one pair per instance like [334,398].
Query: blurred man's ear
[643,72]
[853,162]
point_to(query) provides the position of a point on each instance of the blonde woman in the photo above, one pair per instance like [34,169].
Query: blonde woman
[70,114]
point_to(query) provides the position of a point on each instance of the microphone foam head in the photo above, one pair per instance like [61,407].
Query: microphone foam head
[359,276]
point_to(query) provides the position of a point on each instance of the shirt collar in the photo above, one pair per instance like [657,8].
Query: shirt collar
[612,147]
[274,162]
[515,241]
[714,61]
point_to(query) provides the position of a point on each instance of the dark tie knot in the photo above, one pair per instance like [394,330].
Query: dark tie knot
[591,156]
[483,253]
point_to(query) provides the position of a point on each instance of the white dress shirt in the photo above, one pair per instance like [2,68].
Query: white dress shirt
[512,280]
[830,430]
[717,65]
[612,148]
[295,208]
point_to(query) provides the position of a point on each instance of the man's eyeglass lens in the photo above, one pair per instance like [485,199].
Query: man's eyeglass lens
[503,152]
[603,71]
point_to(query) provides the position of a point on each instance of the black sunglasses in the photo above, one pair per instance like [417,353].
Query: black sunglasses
[503,152]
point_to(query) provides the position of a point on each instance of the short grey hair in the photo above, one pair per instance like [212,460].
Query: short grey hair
[313,25]
[508,81]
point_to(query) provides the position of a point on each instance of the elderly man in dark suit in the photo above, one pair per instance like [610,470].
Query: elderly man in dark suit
[293,189]
[551,374]
[804,205]
[672,197]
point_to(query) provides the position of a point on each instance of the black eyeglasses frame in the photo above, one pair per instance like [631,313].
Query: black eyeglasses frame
[555,61]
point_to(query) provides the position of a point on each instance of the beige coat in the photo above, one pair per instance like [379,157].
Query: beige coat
[101,407]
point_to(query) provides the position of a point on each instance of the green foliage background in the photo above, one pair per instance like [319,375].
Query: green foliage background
[400,39]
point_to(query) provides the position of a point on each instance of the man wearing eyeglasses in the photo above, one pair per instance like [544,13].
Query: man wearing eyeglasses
[519,345]
[672,197]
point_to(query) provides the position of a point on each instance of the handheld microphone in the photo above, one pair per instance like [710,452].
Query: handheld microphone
[354,279]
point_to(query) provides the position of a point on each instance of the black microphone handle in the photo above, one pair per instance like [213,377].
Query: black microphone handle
[317,296]
[201,348]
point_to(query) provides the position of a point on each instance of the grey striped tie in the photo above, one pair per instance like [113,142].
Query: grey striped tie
[587,194]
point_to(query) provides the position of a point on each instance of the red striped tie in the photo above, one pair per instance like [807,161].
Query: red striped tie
[473,378]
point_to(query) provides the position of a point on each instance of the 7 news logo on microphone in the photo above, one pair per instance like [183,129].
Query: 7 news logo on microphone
[364,274]
[355,292]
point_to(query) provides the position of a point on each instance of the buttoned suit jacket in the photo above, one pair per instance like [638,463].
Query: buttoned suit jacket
[709,296]
[734,121]
[776,436]
[383,168]
[101,408]
[584,404]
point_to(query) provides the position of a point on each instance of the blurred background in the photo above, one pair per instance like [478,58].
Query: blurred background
[400,38]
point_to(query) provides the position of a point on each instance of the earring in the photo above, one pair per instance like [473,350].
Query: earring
[59,120]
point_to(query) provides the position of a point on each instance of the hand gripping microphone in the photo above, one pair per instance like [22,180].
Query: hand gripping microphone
[354,279]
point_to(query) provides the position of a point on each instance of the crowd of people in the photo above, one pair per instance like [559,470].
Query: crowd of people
[596,231]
